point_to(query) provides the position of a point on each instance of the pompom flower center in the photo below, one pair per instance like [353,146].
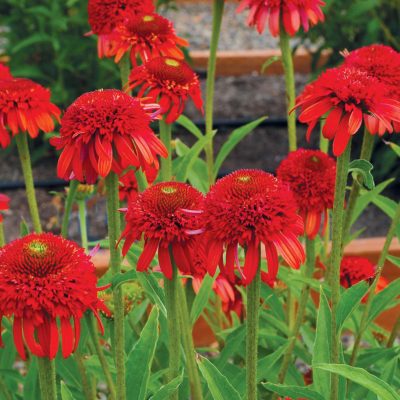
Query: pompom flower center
[170,70]
[148,25]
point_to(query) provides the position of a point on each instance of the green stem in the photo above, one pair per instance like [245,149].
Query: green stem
[114,231]
[125,69]
[171,303]
[92,325]
[73,187]
[166,163]
[5,391]
[252,314]
[86,386]
[287,62]
[323,142]
[47,377]
[218,11]
[25,158]
[188,344]
[305,292]
[141,180]
[336,257]
[82,223]
[371,294]
[2,236]
[394,333]
[366,153]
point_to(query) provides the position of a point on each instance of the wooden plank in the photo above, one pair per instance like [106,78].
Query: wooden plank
[244,62]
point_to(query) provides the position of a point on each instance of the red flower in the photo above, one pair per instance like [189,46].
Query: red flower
[4,204]
[106,130]
[347,95]
[167,215]
[293,13]
[355,269]
[383,63]
[168,81]
[45,282]
[5,72]
[105,15]
[311,176]
[250,208]
[25,106]
[147,36]
[128,186]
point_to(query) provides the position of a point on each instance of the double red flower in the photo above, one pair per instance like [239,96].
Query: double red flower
[47,284]
[250,208]
[106,130]
[167,215]
[25,106]
[311,176]
[169,82]
[293,13]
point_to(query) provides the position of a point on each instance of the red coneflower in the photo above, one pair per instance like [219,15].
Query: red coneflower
[168,81]
[46,282]
[167,215]
[347,95]
[250,208]
[106,130]
[147,36]
[4,204]
[5,72]
[293,14]
[25,106]
[128,186]
[383,63]
[311,175]
[105,15]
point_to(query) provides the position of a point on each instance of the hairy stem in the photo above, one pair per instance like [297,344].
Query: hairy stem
[218,11]
[252,316]
[47,378]
[114,231]
[83,224]
[394,333]
[287,62]
[336,257]
[87,389]
[2,235]
[188,344]
[73,187]
[25,158]
[166,163]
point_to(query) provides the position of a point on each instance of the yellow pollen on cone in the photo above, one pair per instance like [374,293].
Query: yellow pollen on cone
[148,18]
[172,63]
[168,190]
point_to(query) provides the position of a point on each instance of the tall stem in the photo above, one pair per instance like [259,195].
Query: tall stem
[305,292]
[171,303]
[92,325]
[73,187]
[125,68]
[252,314]
[87,389]
[287,62]
[166,163]
[2,236]
[366,153]
[25,158]
[188,345]
[371,295]
[47,378]
[336,257]
[323,142]
[218,11]
[83,224]
[114,231]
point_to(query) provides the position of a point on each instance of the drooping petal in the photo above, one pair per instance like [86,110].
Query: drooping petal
[67,337]
[149,251]
[252,261]
[165,260]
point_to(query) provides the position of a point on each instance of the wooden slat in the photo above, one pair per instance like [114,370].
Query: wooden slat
[244,62]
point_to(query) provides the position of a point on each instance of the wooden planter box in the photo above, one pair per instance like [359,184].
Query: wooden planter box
[370,248]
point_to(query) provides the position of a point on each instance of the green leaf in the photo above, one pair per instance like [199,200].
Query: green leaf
[23,228]
[395,147]
[363,168]
[234,138]
[322,347]
[187,162]
[202,297]
[166,391]
[190,126]
[153,290]
[123,277]
[349,301]
[31,385]
[65,392]
[218,384]
[140,359]
[384,299]
[388,206]
[363,378]
[293,391]
[394,260]
[30,41]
